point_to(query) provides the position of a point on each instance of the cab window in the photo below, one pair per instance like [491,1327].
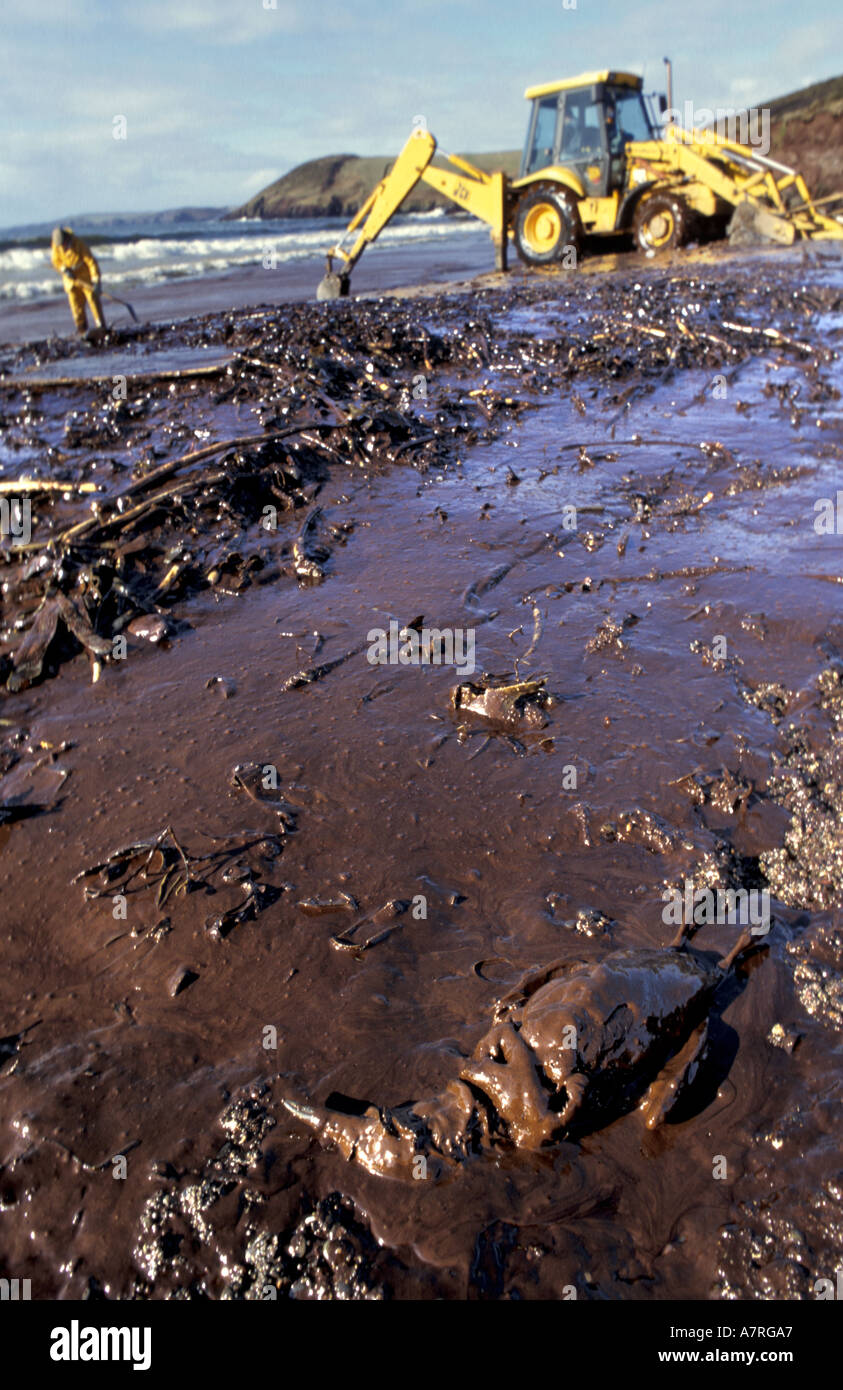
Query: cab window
[581,128]
[541,151]
[630,115]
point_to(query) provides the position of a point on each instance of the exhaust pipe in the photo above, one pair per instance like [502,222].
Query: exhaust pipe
[669,67]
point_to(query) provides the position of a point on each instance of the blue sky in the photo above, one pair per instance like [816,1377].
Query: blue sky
[222,96]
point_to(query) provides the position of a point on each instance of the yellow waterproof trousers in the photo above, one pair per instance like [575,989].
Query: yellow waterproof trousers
[78,292]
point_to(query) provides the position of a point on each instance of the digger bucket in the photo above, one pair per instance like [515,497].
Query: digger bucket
[332,285]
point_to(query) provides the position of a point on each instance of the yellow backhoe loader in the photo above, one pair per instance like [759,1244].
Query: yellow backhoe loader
[596,163]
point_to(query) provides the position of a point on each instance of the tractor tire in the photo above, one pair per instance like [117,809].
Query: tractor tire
[661,223]
[547,224]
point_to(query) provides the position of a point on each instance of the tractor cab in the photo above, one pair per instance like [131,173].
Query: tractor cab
[584,125]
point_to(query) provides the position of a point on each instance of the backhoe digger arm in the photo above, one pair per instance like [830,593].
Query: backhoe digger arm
[482,194]
[380,206]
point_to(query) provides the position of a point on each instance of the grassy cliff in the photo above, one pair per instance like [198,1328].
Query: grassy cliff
[336,185]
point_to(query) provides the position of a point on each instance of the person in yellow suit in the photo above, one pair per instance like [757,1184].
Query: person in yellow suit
[81,275]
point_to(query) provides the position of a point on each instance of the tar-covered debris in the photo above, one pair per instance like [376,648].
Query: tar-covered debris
[181,1250]
[807,870]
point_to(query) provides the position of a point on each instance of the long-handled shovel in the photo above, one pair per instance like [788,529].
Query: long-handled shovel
[124,302]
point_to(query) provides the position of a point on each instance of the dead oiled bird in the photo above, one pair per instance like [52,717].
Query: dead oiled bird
[572,1046]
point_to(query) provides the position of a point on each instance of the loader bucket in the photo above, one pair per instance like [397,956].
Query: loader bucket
[752,225]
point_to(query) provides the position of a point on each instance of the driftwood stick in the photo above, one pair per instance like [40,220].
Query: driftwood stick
[14,485]
[208,449]
[42,383]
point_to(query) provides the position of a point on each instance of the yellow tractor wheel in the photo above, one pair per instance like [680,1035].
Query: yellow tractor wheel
[547,224]
[660,223]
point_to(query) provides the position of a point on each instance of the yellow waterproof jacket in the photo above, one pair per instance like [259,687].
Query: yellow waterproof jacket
[76,260]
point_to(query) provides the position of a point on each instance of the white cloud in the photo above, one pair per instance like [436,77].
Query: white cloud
[253,183]
[218,21]
[47,13]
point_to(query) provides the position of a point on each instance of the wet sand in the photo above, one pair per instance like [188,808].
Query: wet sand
[693,452]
